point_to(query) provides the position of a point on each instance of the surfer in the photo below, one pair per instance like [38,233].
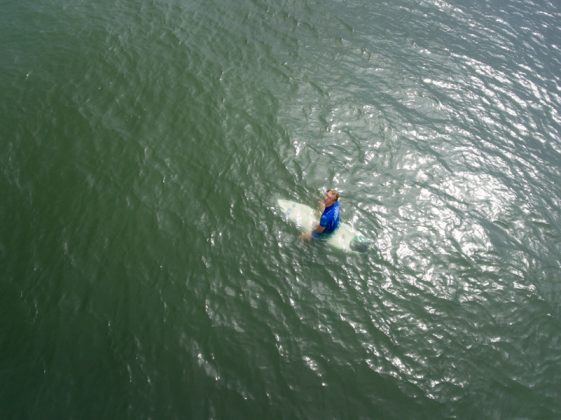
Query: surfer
[329,220]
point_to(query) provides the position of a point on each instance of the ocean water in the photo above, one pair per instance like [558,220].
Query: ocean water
[146,272]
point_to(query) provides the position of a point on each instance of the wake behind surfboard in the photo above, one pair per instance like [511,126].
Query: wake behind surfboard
[344,237]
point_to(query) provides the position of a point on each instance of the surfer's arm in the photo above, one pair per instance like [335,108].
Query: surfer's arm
[319,229]
[308,235]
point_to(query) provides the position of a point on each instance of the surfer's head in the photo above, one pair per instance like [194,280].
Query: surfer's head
[331,196]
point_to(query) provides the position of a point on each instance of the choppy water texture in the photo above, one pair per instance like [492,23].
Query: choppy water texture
[146,273]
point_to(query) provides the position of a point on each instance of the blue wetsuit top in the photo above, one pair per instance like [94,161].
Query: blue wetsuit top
[329,220]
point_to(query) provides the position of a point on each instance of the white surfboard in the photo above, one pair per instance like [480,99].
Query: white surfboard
[304,217]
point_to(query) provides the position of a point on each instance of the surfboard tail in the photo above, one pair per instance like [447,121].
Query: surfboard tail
[360,244]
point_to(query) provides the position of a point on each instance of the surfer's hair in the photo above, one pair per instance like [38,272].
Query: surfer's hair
[336,193]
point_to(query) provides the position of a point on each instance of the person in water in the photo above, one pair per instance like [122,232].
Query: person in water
[329,220]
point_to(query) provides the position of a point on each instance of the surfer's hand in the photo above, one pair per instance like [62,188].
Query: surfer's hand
[306,236]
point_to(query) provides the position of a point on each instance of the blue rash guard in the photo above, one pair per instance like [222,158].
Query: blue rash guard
[329,220]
